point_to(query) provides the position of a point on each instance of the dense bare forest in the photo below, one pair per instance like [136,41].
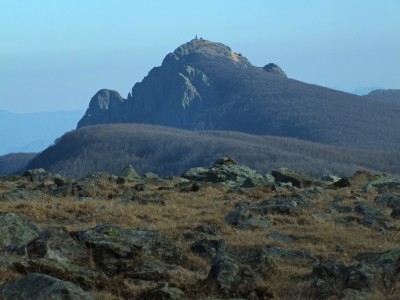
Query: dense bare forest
[168,151]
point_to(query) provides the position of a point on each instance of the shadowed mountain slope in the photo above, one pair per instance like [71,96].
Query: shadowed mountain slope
[169,151]
[389,96]
[14,163]
[205,85]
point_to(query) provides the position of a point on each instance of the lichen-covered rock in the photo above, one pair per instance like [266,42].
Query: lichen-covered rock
[129,173]
[55,251]
[116,249]
[21,194]
[243,218]
[240,276]
[384,185]
[330,178]
[276,236]
[40,175]
[395,213]
[163,292]
[207,248]
[57,244]
[225,272]
[225,170]
[389,200]
[284,206]
[16,231]
[296,178]
[94,184]
[290,254]
[159,271]
[37,286]
[376,271]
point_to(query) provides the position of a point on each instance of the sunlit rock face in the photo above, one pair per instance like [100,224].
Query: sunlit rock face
[191,81]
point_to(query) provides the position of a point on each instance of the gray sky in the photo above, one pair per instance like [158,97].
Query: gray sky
[55,55]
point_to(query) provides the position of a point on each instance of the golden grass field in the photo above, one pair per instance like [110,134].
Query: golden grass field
[184,211]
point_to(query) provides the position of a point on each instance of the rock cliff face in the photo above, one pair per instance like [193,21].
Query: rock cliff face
[205,85]
[173,94]
[103,106]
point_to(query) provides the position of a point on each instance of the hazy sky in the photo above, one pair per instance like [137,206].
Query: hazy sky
[56,54]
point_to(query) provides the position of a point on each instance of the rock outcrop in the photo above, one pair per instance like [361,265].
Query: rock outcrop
[226,171]
[275,69]
[103,107]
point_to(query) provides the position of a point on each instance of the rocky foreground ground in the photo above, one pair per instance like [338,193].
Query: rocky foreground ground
[214,233]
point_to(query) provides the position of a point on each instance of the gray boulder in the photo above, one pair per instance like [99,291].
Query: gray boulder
[395,213]
[117,250]
[57,244]
[129,173]
[332,278]
[384,185]
[284,206]
[225,170]
[94,184]
[330,178]
[41,176]
[276,236]
[21,194]
[209,229]
[297,179]
[389,200]
[241,276]
[16,231]
[290,254]
[163,292]
[159,271]
[207,248]
[55,251]
[225,272]
[37,286]
[242,218]
[376,271]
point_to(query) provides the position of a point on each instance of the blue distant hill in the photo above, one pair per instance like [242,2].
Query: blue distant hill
[33,132]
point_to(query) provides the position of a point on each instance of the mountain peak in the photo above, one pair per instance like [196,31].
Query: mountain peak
[204,85]
[199,47]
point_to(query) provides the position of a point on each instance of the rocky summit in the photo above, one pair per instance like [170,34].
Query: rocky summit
[207,85]
[222,231]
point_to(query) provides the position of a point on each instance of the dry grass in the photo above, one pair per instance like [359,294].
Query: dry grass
[185,211]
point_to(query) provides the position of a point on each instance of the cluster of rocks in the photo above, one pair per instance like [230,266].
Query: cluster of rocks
[62,264]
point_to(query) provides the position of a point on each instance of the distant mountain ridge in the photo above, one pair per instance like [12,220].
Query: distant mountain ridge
[205,85]
[33,132]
